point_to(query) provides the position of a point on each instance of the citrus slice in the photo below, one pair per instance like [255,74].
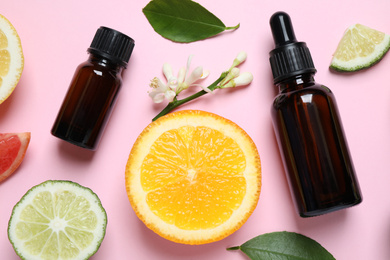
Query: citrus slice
[13,147]
[360,48]
[193,177]
[11,58]
[57,220]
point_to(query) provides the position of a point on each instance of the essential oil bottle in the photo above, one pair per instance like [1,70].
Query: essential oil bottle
[308,129]
[93,90]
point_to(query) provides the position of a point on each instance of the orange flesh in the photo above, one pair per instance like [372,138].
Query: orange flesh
[186,172]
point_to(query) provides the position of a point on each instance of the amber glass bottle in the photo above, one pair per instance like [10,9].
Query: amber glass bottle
[308,129]
[93,90]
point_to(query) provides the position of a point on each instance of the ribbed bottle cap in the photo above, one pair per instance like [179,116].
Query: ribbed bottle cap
[289,58]
[112,45]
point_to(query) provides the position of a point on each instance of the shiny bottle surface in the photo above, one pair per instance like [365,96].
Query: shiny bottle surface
[89,102]
[313,147]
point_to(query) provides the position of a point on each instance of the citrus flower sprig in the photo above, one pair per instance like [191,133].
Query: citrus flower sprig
[175,85]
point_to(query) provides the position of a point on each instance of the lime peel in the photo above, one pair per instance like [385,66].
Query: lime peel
[57,220]
[360,48]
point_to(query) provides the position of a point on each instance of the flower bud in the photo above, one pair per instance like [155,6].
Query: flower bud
[242,80]
[241,57]
[234,73]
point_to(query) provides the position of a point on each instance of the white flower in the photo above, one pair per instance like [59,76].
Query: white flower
[175,85]
[242,80]
[168,73]
[184,81]
[160,91]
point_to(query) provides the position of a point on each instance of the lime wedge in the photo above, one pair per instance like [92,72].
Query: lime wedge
[57,220]
[360,48]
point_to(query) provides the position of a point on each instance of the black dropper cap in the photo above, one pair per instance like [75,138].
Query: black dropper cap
[112,45]
[289,58]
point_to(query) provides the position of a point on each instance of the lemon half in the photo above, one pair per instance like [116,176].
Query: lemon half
[11,58]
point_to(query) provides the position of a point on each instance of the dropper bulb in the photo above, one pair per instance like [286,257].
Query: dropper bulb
[289,58]
[282,29]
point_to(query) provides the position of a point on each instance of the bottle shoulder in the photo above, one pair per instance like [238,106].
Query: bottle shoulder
[307,94]
[314,89]
[99,69]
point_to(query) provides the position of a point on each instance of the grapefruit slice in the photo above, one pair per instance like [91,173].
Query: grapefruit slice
[13,147]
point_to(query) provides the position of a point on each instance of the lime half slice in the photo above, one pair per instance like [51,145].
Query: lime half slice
[360,48]
[57,220]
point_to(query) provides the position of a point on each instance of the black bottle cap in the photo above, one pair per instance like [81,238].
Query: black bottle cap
[112,45]
[289,58]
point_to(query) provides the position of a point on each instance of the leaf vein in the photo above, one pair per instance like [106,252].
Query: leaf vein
[187,20]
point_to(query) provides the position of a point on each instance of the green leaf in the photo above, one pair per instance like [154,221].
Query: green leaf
[183,20]
[283,246]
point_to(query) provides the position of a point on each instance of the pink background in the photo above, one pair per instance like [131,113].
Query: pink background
[55,36]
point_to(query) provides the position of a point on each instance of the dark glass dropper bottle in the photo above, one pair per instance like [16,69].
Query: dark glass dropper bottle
[308,129]
[93,90]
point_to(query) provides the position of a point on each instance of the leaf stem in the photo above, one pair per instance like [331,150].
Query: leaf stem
[233,248]
[233,27]
[177,102]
